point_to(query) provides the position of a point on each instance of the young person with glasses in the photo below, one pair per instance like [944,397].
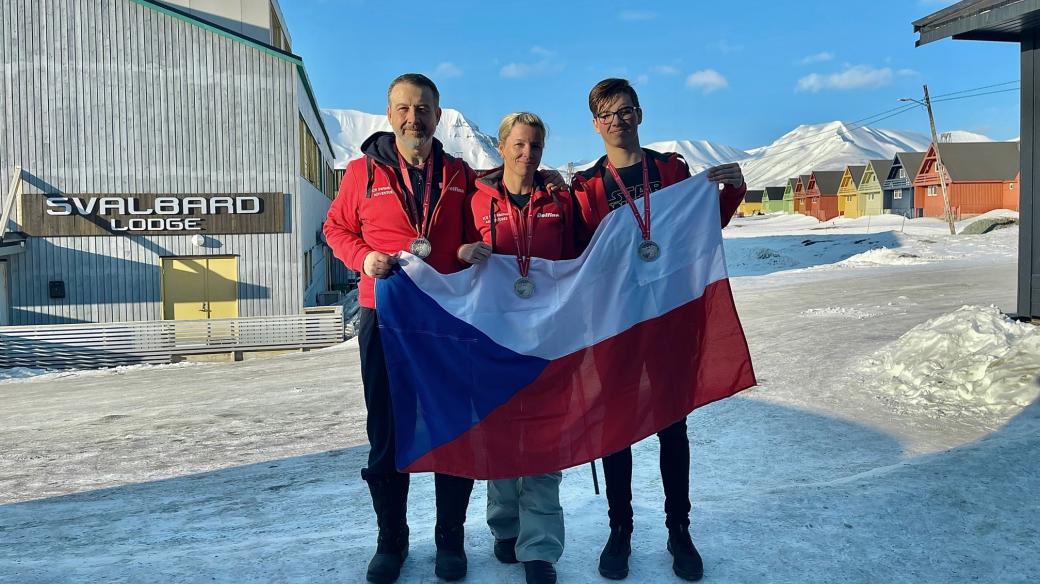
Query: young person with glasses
[626,174]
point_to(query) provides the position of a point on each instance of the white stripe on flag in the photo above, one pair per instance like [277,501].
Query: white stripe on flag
[606,291]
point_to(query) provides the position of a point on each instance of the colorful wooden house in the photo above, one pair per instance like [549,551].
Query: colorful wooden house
[789,195]
[752,204]
[822,194]
[980,177]
[801,194]
[898,188]
[773,200]
[848,196]
[871,194]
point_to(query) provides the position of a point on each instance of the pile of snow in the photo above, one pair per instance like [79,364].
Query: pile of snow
[348,129]
[830,146]
[20,373]
[881,257]
[974,358]
[36,375]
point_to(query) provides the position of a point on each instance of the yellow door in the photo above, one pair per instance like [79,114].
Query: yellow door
[199,288]
[222,287]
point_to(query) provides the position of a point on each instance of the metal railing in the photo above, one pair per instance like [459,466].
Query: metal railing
[160,341]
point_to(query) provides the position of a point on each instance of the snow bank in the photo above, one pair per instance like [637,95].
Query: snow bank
[31,374]
[974,358]
[882,257]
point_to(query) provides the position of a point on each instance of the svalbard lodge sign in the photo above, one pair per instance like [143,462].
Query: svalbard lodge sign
[151,214]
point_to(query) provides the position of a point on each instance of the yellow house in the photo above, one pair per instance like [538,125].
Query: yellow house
[752,204]
[848,195]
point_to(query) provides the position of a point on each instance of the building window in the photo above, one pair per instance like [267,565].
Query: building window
[902,173]
[932,191]
[897,194]
[310,157]
[308,269]
[331,186]
[278,38]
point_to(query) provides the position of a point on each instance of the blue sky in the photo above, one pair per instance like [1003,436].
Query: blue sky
[736,73]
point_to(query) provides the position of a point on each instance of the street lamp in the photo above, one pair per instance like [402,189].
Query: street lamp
[940,167]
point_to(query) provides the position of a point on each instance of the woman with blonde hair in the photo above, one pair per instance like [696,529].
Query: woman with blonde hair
[512,212]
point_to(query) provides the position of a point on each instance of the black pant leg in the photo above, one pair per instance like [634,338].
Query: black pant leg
[380,420]
[617,474]
[453,495]
[675,474]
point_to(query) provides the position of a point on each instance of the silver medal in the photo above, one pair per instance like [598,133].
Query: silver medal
[649,251]
[524,287]
[421,247]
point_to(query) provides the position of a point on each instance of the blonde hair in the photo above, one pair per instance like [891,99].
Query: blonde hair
[525,118]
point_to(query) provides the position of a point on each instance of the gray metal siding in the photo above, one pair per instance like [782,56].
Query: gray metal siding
[114,97]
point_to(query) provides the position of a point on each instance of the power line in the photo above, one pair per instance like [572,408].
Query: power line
[871,119]
[977,94]
[975,89]
[800,144]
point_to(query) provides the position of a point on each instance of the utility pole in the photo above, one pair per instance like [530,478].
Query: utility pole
[940,167]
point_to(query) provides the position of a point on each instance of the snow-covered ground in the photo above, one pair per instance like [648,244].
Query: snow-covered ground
[893,438]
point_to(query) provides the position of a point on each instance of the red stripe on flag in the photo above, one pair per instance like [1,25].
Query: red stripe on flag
[601,399]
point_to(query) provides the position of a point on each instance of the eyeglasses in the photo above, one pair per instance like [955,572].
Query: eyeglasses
[627,114]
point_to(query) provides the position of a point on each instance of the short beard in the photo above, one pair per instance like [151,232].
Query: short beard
[415,142]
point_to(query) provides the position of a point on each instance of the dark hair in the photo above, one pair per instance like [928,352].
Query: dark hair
[609,89]
[416,79]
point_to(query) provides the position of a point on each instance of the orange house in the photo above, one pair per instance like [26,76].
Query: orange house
[980,177]
[800,193]
[822,198]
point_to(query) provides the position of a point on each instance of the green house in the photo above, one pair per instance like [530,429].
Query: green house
[789,195]
[871,195]
[773,200]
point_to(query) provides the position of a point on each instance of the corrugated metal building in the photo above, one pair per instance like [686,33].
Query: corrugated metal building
[174,162]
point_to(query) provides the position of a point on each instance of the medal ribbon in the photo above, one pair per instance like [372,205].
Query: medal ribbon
[420,223]
[523,253]
[644,223]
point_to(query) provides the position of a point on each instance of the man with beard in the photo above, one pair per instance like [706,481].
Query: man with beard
[626,174]
[406,193]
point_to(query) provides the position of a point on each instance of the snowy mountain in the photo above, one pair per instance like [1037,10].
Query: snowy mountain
[963,136]
[829,146]
[699,154]
[349,128]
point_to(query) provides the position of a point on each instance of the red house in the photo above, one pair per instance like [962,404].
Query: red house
[822,194]
[980,177]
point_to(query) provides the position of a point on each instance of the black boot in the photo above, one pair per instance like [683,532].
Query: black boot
[451,555]
[539,572]
[390,501]
[452,501]
[613,561]
[505,550]
[686,562]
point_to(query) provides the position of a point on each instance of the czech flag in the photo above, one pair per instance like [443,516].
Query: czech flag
[609,350]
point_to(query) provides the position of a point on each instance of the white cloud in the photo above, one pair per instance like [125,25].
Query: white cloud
[642,80]
[707,81]
[547,64]
[665,70]
[854,77]
[724,47]
[907,73]
[446,70]
[817,58]
[633,15]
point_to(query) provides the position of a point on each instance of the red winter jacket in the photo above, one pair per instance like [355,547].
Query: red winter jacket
[591,197]
[367,215]
[553,220]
